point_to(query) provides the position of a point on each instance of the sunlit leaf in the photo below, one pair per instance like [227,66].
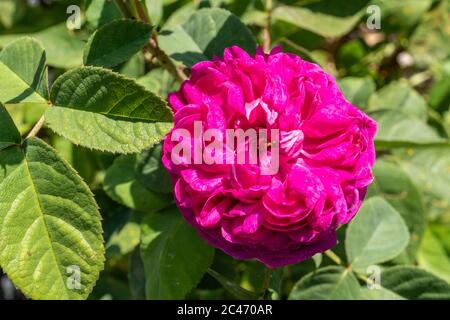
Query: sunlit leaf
[413,283]
[49,224]
[116,42]
[377,234]
[395,186]
[336,18]
[23,72]
[207,33]
[123,117]
[329,283]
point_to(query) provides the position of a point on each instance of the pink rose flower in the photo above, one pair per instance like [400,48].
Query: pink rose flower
[326,153]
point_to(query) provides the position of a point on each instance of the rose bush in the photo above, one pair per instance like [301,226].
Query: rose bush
[326,155]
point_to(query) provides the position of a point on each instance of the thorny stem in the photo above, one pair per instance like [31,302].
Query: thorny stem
[266,283]
[330,254]
[266,29]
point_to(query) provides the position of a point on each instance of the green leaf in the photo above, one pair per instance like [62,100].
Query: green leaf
[399,96]
[9,135]
[50,225]
[100,12]
[398,129]
[174,256]
[159,81]
[379,294]
[151,172]
[207,33]
[329,283]
[235,289]
[357,90]
[336,18]
[155,10]
[428,168]
[414,283]
[116,42]
[434,253]
[377,234]
[63,47]
[23,72]
[123,117]
[395,186]
[122,183]
[317,258]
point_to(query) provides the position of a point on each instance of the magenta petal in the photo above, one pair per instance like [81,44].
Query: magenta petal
[326,155]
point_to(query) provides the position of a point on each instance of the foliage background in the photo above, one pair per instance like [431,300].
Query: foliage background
[399,74]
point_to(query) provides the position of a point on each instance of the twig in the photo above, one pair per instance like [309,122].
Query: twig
[266,29]
[34,131]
